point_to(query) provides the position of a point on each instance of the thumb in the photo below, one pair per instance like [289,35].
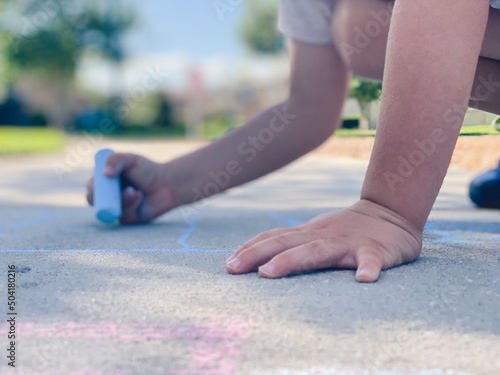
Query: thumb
[119,163]
[369,265]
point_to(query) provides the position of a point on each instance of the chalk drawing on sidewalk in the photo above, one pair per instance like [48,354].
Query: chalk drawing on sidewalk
[6,251]
[347,371]
[190,230]
[437,233]
[82,229]
[212,347]
[90,372]
[42,219]
[291,222]
[182,240]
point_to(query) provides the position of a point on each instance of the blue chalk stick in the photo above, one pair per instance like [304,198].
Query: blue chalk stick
[107,191]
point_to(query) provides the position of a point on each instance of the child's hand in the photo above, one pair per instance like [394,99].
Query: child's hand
[147,193]
[366,237]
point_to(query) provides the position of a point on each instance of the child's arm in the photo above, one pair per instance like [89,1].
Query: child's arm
[280,134]
[265,143]
[432,56]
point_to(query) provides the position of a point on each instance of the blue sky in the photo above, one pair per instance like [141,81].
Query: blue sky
[191,27]
[177,36]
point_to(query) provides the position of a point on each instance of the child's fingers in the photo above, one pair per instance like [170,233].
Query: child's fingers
[262,252]
[263,237]
[90,191]
[131,200]
[369,265]
[119,163]
[312,255]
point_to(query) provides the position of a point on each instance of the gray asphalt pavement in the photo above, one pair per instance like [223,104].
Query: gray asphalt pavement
[156,299]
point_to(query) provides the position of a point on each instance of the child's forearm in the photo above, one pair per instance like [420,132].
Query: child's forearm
[274,138]
[267,142]
[431,59]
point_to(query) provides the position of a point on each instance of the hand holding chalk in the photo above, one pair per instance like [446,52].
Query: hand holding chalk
[107,191]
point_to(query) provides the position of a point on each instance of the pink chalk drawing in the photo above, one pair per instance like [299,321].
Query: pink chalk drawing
[215,345]
[69,373]
[208,359]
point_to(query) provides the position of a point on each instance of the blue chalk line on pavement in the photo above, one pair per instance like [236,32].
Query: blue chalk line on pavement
[116,251]
[286,220]
[459,237]
[29,223]
[182,241]
[81,229]
[191,228]
[440,236]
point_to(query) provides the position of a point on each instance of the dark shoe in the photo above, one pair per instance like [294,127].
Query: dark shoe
[485,189]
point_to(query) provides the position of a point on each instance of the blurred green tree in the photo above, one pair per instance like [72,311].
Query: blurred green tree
[259,30]
[365,92]
[50,38]
[3,65]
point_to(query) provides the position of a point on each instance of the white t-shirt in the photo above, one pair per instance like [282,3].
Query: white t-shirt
[309,21]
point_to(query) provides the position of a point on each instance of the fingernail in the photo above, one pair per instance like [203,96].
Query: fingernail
[267,269]
[363,272]
[233,263]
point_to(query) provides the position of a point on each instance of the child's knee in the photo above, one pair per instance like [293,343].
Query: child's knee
[360,29]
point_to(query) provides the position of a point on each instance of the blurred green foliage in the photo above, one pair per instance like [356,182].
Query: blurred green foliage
[465,131]
[479,130]
[17,140]
[47,40]
[219,124]
[143,132]
[152,110]
[365,91]
[259,30]
[354,133]
[51,39]
[496,124]
[4,75]
[350,122]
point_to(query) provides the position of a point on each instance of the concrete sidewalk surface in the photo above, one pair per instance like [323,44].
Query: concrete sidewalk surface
[93,299]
